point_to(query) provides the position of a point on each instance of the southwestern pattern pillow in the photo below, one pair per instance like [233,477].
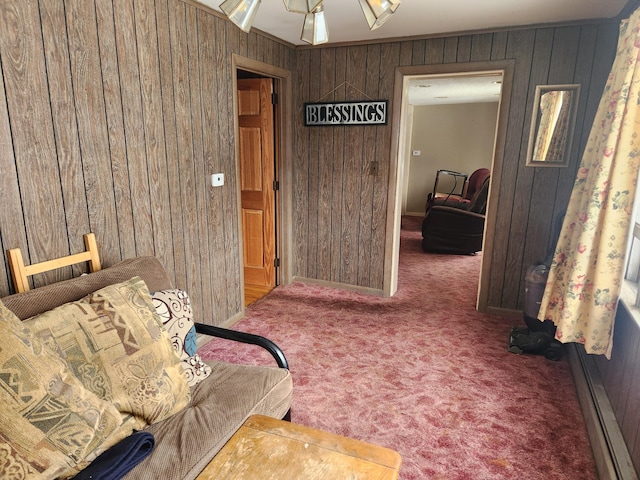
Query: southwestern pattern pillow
[174,309]
[49,422]
[115,344]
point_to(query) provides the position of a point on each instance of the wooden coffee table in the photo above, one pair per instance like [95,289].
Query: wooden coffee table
[267,448]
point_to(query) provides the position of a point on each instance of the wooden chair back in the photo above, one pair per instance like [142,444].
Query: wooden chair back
[20,272]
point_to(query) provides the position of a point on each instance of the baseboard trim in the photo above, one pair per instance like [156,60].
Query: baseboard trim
[342,286]
[609,448]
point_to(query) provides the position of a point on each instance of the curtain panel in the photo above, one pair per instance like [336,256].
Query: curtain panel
[583,287]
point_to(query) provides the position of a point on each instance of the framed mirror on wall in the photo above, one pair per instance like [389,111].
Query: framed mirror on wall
[552,125]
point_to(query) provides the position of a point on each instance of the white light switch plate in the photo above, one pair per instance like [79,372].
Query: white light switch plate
[217,179]
[416,153]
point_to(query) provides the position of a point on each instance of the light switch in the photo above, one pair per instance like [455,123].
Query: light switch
[217,179]
[416,153]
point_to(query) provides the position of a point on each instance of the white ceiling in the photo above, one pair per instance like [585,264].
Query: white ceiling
[346,21]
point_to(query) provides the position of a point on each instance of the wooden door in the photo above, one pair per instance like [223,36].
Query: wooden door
[257,175]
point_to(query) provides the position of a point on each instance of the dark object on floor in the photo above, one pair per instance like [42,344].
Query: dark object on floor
[538,337]
[523,340]
[116,462]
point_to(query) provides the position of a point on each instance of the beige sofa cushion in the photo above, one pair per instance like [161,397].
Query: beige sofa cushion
[115,344]
[219,406]
[48,421]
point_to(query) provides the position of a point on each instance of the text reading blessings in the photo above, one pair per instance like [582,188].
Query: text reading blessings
[351,113]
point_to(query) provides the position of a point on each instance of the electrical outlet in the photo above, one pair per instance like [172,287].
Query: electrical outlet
[217,179]
[373,168]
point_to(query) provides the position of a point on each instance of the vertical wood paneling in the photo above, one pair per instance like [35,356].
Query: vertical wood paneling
[300,173]
[33,140]
[366,255]
[224,34]
[198,161]
[389,55]
[174,209]
[450,51]
[151,96]
[133,108]
[418,52]
[315,134]
[12,233]
[528,198]
[463,53]
[135,134]
[215,198]
[511,292]
[115,126]
[481,47]
[338,170]
[545,182]
[619,376]
[128,103]
[499,45]
[356,74]
[435,51]
[64,117]
[406,53]
[92,125]
[185,158]
[519,45]
[325,167]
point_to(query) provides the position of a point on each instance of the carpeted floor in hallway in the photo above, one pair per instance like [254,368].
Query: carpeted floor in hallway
[422,373]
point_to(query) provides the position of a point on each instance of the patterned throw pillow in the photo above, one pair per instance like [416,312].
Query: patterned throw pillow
[174,309]
[49,422]
[115,344]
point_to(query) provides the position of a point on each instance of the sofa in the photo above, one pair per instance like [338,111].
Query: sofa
[189,428]
[455,227]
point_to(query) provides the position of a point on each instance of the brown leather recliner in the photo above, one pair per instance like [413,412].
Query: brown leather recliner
[456,229]
[471,189]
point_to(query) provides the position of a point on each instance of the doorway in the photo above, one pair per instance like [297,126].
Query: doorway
[256,159]
[262,97]
[400,153]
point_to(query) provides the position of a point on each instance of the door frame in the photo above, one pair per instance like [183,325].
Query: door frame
[282,86]
[398,162]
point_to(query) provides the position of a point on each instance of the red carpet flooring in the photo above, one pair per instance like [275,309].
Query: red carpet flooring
[423,373]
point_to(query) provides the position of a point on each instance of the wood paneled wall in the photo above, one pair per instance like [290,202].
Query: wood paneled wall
[620,379]
[340,209]
[113,113]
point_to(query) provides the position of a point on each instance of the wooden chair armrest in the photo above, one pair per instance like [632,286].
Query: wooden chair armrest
[244,337]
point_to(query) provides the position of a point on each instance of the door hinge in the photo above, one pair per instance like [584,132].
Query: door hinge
[276,185]
[276,262]
[274,99]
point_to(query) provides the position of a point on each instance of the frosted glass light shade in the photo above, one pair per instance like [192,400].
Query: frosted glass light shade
[241,12]
[301,6]
[378,11]
[314,29]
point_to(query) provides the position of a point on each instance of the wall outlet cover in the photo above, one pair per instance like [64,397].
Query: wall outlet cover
[217,179]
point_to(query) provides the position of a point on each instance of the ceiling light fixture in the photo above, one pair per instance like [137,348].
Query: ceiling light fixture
[301,6]
[314,28]
[378,11]
[241,12]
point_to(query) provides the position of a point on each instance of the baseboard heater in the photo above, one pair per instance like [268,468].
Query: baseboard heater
[609,448]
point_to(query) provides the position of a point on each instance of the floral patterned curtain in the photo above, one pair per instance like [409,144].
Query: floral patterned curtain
[582,291]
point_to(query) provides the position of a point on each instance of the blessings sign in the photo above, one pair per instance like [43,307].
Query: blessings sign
[346,113]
